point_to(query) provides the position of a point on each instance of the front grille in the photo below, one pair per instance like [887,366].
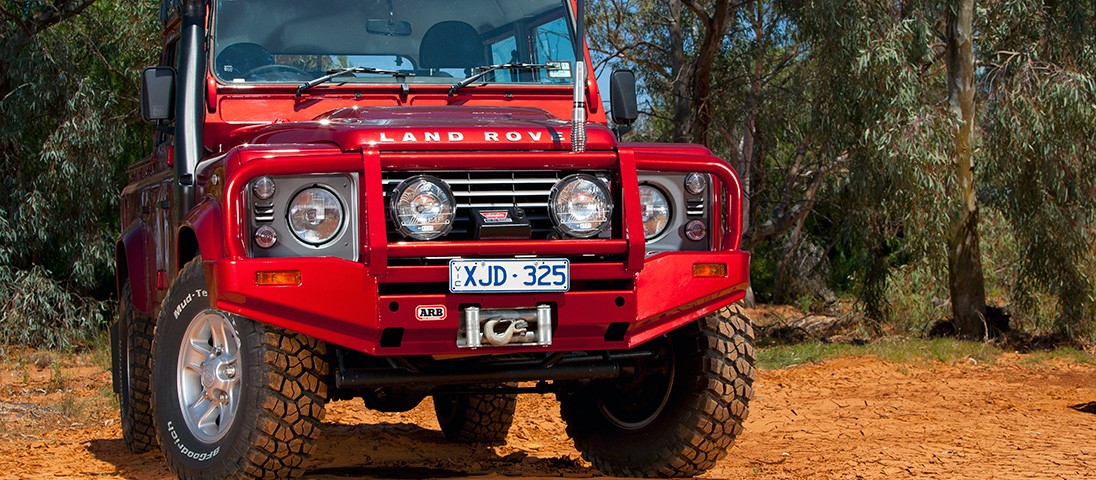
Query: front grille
[528,190]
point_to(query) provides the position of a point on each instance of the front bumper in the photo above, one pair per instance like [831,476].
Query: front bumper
[341,302]
[619,297]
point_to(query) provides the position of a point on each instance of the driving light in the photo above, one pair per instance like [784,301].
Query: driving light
[696,230]
[423,207]
[263,187]
[695,183]
[655,211]
[580,205]
[315,216]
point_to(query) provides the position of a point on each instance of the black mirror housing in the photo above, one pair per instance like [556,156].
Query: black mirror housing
[158,94]
[622,97]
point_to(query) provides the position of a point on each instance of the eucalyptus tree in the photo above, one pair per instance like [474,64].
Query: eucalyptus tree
[1039,141]
[68,127]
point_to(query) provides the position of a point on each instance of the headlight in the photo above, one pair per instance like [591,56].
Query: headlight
[315,215]
[580,205]
[423,207]
[656,211]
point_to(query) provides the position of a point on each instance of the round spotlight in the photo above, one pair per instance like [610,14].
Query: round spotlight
[423,208]
[315,216]
[266,237]
[655,211]
[263,187]
[696,183]
[696,230]
[581,206]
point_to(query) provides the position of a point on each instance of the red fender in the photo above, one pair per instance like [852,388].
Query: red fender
[139,254]
[206,223]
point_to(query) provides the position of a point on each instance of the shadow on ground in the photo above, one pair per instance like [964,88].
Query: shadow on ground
[128,464]
[408,451]
[1089,407]
[381,451]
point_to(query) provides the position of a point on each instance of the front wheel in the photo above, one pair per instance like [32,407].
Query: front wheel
[678,412]
[233,398]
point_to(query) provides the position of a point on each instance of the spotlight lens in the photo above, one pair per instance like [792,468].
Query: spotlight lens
[423,208]
[581,205]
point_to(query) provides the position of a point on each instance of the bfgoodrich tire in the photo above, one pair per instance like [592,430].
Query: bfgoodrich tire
[680,411]
[233,398]
[135,398]
[480,418]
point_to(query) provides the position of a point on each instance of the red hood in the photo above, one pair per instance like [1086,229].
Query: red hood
[431,128]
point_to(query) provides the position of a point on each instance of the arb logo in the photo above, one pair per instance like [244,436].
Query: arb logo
[430,312]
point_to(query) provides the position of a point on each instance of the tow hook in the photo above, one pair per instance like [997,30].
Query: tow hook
[497,338]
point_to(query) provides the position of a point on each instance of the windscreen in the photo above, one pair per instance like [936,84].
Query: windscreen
[422,41]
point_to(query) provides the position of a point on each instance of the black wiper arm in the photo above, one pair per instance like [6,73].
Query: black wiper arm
[346,71]
[485,69]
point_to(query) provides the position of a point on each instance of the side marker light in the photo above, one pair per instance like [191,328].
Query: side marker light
[709,270]
[278,278]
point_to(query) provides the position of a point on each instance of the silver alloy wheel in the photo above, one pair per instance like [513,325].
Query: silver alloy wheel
[209,375]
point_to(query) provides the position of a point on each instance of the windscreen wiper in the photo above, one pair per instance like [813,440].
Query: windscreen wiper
[346,71]
[485,69]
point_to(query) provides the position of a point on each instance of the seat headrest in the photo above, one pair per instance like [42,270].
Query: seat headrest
[239,58]
[451,44]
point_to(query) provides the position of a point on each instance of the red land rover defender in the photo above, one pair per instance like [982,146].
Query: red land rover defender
[394,199]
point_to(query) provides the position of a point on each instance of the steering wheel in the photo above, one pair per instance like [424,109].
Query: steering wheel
[278,72]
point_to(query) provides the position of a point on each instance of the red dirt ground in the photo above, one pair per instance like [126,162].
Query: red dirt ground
[844,418]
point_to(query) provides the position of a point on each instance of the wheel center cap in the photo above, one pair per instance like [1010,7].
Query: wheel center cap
[209,373]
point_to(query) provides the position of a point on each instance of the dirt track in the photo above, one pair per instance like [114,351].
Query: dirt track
[846,418]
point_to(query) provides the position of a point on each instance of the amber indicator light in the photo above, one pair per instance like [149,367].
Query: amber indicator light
[709,269]
[268,279]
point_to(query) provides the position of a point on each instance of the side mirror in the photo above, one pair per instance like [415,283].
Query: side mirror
[622,97]
[158,94]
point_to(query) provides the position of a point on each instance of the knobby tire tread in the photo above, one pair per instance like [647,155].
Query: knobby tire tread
[715,408]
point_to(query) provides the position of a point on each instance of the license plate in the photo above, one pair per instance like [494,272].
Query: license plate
[510,275]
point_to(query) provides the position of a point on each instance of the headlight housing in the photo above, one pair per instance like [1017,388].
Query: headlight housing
[423,208]
[655,211]
[581,205]
[315,215]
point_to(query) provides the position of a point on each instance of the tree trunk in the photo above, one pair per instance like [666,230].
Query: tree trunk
[965,279]
[682,76]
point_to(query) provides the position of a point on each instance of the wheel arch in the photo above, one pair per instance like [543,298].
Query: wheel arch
[131,254]
[201,234]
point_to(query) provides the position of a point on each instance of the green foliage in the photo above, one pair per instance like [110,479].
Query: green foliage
[68,128]
[1039,125]
[865,82]
[897,350]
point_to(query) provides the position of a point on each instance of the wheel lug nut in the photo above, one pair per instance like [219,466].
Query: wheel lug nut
[223,398]
[230,371]
[218,351]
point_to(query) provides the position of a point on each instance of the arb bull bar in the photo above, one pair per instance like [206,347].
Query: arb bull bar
[623,302]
